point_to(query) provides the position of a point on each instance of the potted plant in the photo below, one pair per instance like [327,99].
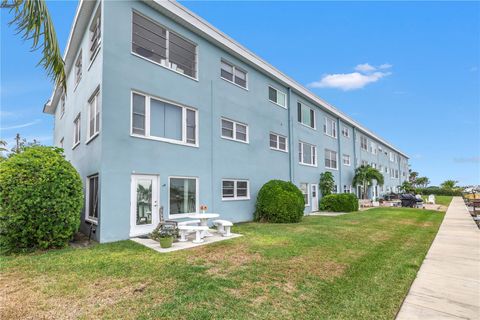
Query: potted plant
[164,234]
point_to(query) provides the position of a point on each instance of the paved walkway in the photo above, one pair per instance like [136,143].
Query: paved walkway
[448,282]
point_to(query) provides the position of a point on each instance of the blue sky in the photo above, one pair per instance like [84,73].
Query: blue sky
[408,71]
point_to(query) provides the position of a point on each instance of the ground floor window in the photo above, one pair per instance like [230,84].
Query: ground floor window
[183,195]
[233,189]
[92,198]
[304,189]
[347,188]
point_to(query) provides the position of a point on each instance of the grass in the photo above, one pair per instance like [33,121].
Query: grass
[441,200]
[354,266]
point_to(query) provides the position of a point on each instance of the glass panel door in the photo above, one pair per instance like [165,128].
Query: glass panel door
[144,204]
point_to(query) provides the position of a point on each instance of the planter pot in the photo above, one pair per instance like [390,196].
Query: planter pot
[166,242]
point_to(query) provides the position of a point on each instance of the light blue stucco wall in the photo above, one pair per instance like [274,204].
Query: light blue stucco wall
[116,155]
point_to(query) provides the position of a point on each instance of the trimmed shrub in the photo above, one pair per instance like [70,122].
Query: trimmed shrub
[279,202]
[40,200]
[342,202]
[439,191]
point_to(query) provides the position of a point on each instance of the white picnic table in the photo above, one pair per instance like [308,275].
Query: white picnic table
[203,217]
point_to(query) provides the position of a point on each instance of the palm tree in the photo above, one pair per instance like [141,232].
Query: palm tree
[364,176]
[33,21]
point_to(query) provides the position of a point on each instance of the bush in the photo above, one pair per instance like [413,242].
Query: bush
[342,202]
[40,200]
[279,202]
[439,191]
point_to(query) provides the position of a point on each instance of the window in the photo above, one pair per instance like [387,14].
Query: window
[160,45]
[347,188]
[373,147]
[330,127]
[233,74]
[330,159]
[374,165]
[78,68]
[61,142]
[346,132]
[164,121]
[62,105]
[386,170]
[234,130]
[392,157]
[363,143]
[92,198]
[277,97]
[346,160]
[183,193]
[304,189]
[364,163]
[306,115]
[95,36]
[307,154]
[93,115]
[335,188]
[380,168]
[76,131]
[235,189]
[396,174]
[278,142]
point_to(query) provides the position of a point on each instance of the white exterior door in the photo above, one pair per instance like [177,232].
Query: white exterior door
[144,215]
[314,191]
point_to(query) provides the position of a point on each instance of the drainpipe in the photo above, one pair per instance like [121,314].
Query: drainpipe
[290,136]
[340,156]
[354,137]
[212,194]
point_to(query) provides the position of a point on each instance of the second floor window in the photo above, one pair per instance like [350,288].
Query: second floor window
[363,143]
[346,160]
[346,132]
[94,115]
[331,159]
[95,36]
[234,74]
[78,68]
[330,127]
[277,97]
[278,142]
[234,130]
[306,115]
[307,154]
[62,105]
[76,130]
[158,44]
[164,121]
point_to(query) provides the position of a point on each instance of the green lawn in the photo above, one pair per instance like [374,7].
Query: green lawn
[441,200]
[354,266]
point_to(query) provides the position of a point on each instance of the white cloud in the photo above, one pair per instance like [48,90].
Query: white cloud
[365,67]
[385,66]
[23,125]
[348,81]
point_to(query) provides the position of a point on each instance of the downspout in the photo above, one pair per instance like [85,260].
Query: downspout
[340,156]
[354,137]
[290,136]
[211,147]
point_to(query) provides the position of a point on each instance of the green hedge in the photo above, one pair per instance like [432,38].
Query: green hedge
[342,202]
[438,191]
[40,200]
[279,202]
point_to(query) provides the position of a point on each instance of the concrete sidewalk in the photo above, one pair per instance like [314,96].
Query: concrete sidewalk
[448,282]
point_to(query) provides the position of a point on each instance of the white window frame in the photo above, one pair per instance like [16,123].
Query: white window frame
[363,146]
[276,102]
[235,123]
[147,135]
[373,147]
[77,130]
[307,193]
[78,68]
[313,153]
[94,98]
[197,195]
[278,142]
[61,143]
[167,64]
[235,187]
[347,188]
[392,157]
[96,25]
[62,105]
[328,151]
[301,119]
[89,218]
[346,157]
[234,68]
[333,127]
[346,132]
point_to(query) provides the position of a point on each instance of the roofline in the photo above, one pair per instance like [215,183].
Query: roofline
[198,25]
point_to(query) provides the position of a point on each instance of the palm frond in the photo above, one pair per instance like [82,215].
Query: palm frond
[33,21]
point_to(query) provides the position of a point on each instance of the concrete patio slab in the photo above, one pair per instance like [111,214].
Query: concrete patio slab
[154,245]
[447,285]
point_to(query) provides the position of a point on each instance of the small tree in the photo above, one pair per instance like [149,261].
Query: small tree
[279,202]
[40,200]
[364,176]
[407,187]
[449,184]
[326,183]
[422,182]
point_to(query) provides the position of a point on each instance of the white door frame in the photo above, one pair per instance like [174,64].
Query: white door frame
[314,196]
[136,230]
